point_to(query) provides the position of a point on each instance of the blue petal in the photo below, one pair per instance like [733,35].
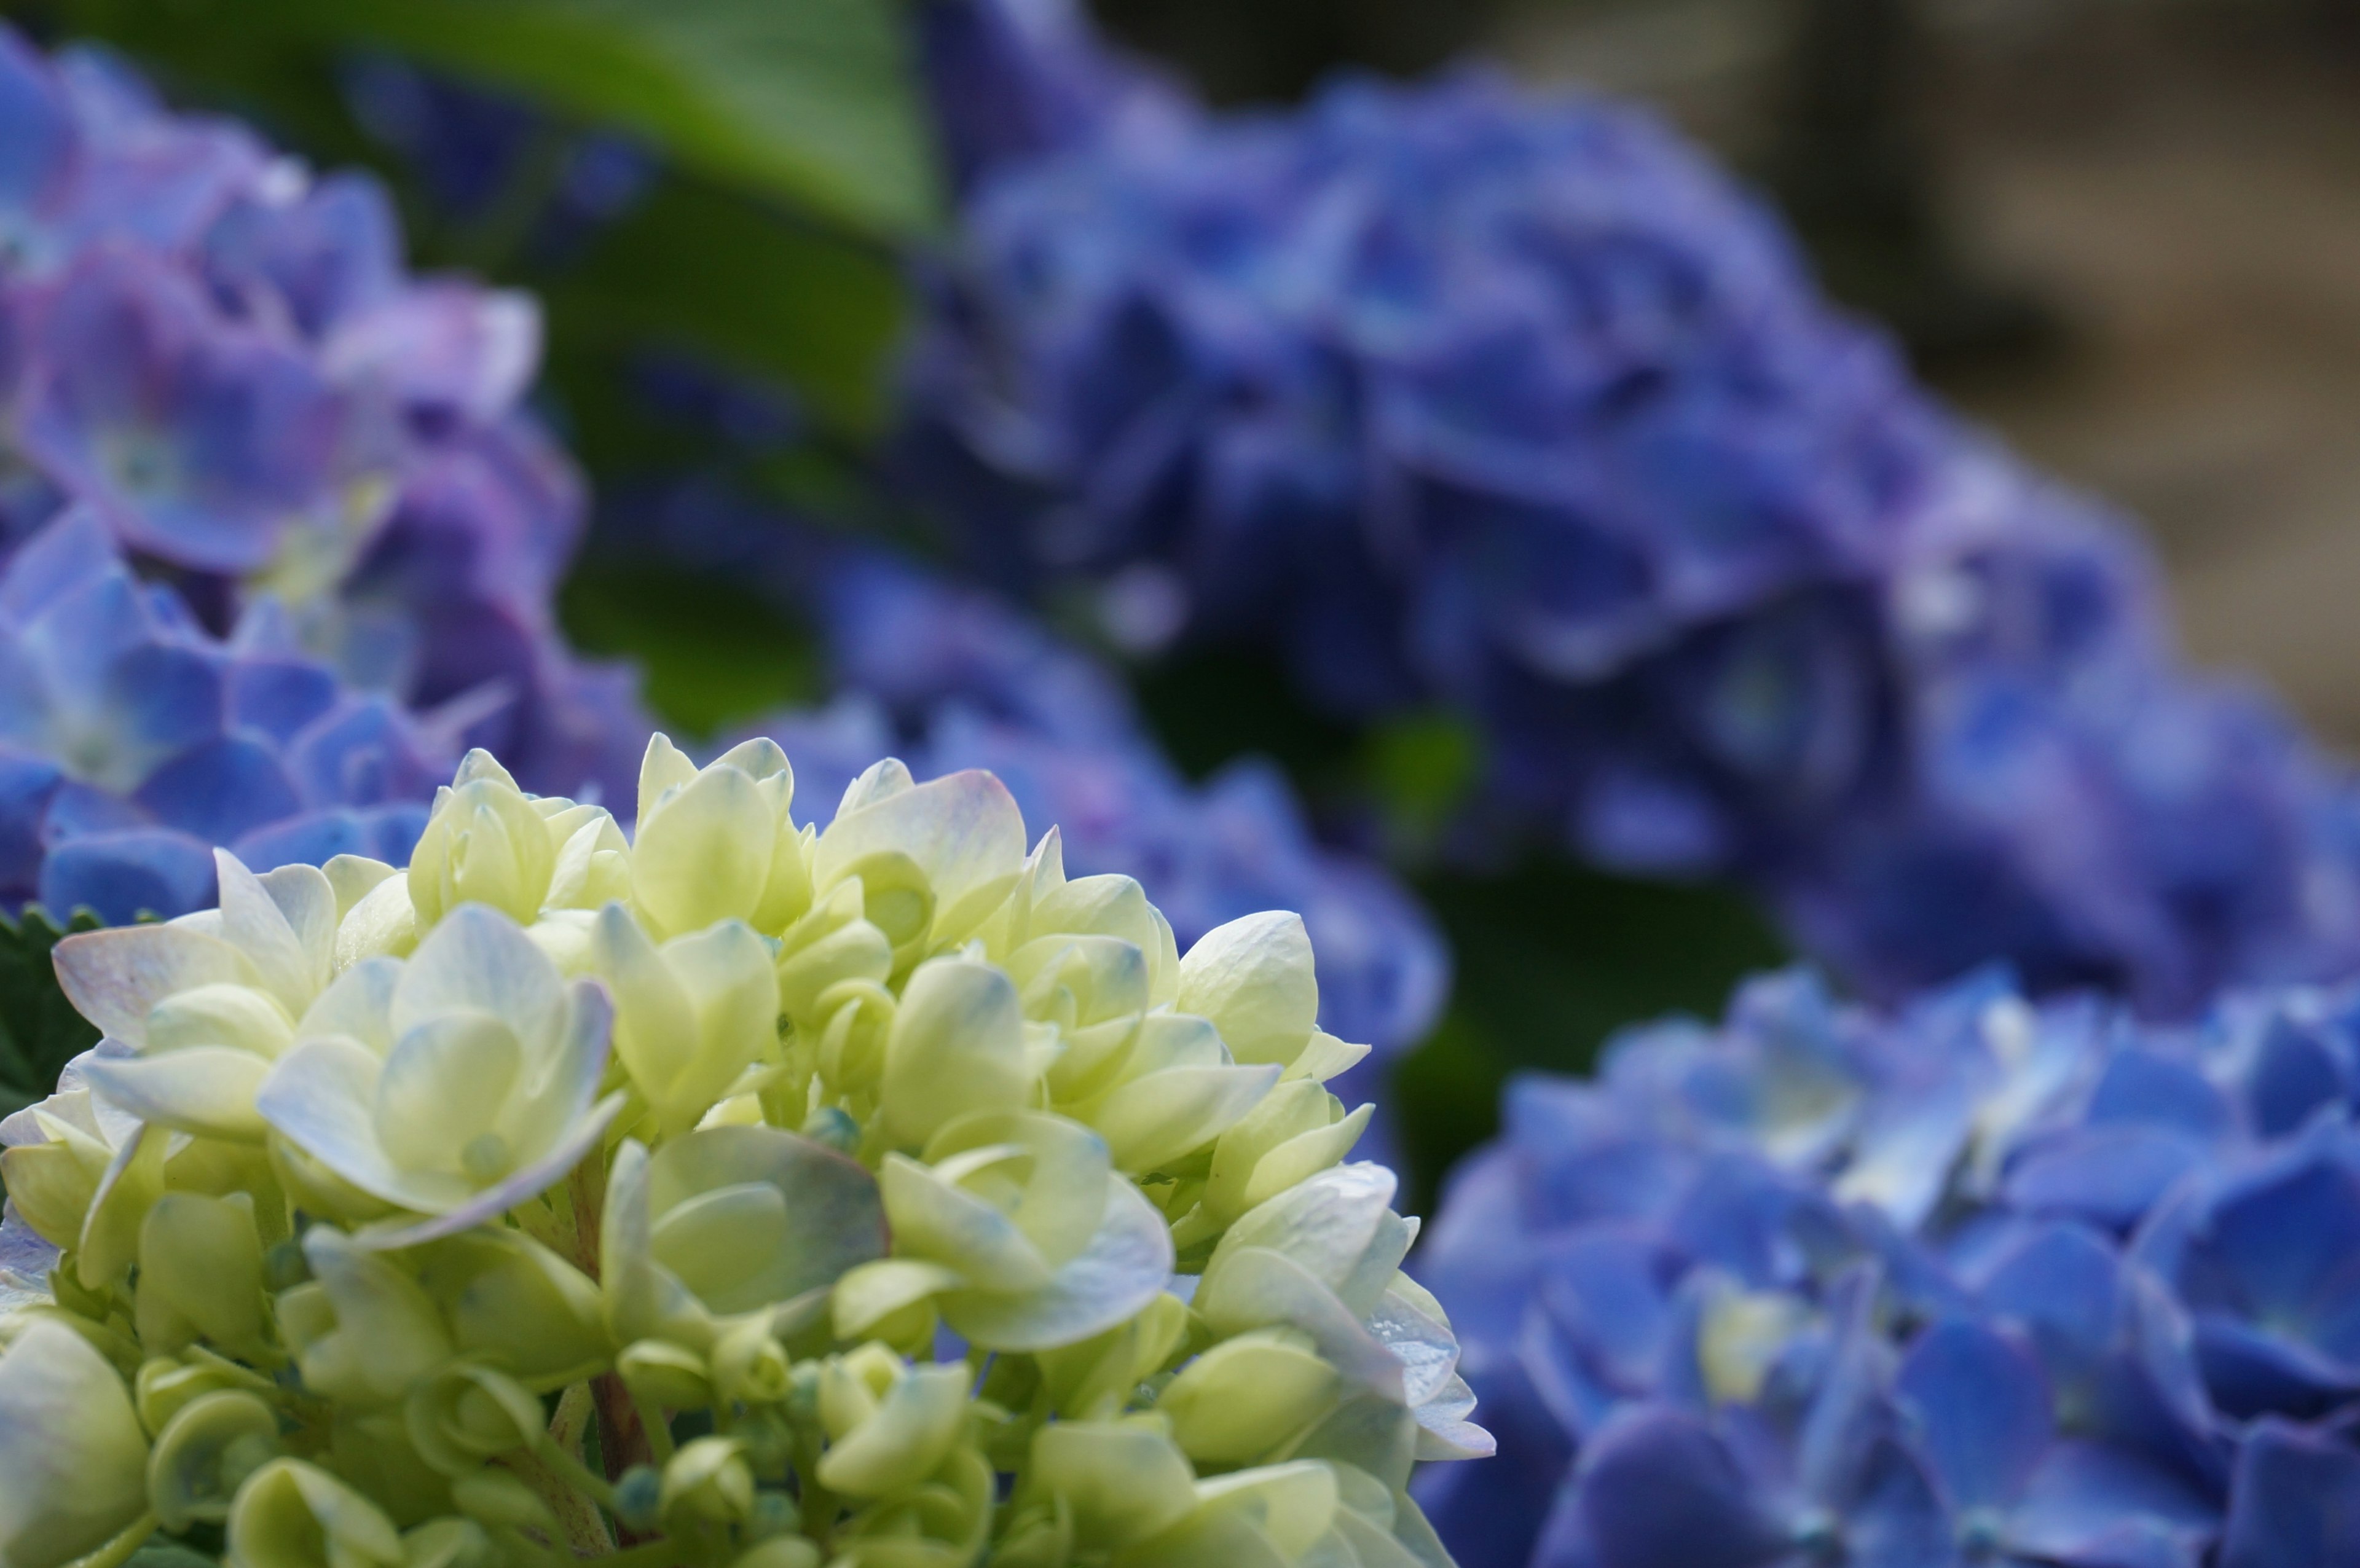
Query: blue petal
[221,791]
[2149,1089]
[2295,1501]
[2279,1239]
[1978,1409]
[2250,1371]
[2108,1175]
[1656,1489]
[2059,1282]
[2091,1506]
[2296,1069]
[126,873]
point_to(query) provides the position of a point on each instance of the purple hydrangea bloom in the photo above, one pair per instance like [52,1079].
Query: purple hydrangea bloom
[223,359]
[1982,1279]
[133,741]
[1452,394]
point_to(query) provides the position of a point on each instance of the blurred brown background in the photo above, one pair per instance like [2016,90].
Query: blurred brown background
[2123,232]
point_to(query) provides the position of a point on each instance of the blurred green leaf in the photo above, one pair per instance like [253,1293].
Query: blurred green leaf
[39,1030]
[812,101]
[1552,959]
[712,655]
[755,290]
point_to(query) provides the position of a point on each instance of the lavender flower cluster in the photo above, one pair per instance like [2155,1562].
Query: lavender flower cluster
[221,359]
[1979,1280]
[1448,393]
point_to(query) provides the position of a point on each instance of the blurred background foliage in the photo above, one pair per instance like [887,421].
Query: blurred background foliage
[763,175]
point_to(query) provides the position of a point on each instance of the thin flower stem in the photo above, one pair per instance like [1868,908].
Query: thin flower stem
[575,1474]
[116,1552]
[652,1423]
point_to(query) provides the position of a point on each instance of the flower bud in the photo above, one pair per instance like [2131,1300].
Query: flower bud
[362,1331]
[205,1452]
[709,1480]
[1120,1481]
[1298,1130]
[957,1046]
[780,1551]
[749,1366]
[484,843]
[1245,1397]
[73,1462]
[447,1544]
[513,1302]
[689,1016]
[200,1275]
[501,1500]
[293,1515]
[464,1415]
[164,1386]
[716,844]
[666,1376]
[890,1426]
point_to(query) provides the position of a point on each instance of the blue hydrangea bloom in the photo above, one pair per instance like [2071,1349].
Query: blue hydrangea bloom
[1453,394]
[223,358]
[1979,1280]
[133,741]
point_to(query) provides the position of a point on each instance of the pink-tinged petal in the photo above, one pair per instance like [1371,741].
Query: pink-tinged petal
[115,978]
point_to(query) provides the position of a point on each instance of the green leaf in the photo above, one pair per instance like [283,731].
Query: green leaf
[812,101]
[1551,960]
[711,654]
[39,1030]
[701,269]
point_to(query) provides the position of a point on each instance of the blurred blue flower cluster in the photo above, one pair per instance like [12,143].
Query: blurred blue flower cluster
[1452,394]
[1978,1280]
[948,676]
[133,740]
[223,359]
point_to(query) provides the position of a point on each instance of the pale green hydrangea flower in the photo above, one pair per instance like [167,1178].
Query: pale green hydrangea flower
[727,1195]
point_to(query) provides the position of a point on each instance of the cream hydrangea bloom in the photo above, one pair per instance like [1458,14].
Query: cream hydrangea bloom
[954,1213]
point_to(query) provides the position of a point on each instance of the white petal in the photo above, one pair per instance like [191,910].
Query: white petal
[115,978]
[492,1202]
[358,1006]
[319,1097]
[1256,1287]
[207,1090]
[478,958]
[1115,1277]
[285,923]
[964,831]
[1326,1224]
[1253,977]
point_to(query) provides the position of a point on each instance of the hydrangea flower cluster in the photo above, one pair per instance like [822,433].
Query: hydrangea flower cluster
[132,741]
[949,676]
[737,1192]
[221,358]
[1450,394]
[1979,1280]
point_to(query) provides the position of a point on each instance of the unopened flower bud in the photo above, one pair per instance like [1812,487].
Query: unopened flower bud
[709,1479]
[205,1454]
